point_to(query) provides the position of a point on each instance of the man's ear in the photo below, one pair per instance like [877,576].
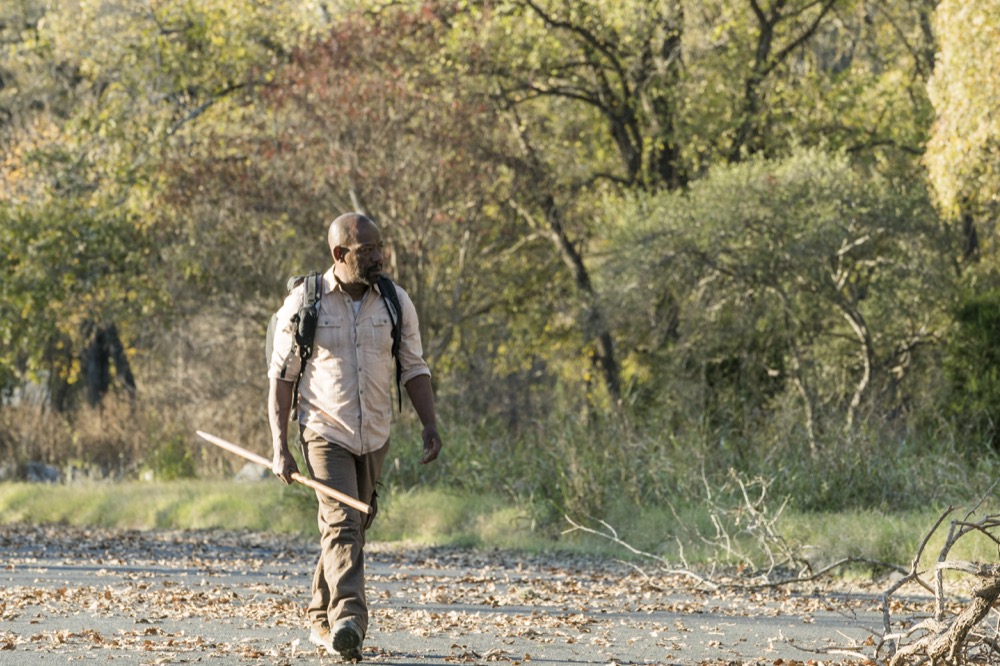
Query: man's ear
[338,253]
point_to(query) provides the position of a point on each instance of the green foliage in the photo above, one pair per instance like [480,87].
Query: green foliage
[423,162]
[963,154]
[172,460]
[546,173]
[589,82]
[88,240]
[562,464]
[604,468]
[882,469]
[798,278]
[972,365]
[848,75]
[67,268]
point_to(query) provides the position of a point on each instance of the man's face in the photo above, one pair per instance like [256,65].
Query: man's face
[363,260]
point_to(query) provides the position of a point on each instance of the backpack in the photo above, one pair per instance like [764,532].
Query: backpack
[307,316]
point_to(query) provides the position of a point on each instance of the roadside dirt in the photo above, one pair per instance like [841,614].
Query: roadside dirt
[164,597]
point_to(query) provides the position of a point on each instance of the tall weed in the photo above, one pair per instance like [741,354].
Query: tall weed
[595,466]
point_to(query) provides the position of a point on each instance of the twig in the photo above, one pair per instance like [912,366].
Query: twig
[612,535]
[830,567]
[913,574]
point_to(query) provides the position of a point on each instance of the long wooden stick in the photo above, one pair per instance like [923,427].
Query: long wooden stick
[304,480]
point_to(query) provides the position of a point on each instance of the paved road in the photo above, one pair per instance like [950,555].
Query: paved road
[226,598]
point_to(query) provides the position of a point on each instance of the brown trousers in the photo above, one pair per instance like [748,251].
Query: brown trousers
[338,587]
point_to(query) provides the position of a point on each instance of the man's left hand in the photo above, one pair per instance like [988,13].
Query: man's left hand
[432,444]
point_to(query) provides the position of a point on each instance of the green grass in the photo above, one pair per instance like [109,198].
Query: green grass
[167,505]
[431,516]
[435,517]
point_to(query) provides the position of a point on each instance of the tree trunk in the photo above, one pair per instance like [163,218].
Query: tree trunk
[105,348]
[970,239]
[596,325]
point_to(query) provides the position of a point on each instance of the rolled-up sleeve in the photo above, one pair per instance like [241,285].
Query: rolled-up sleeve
[411,353]
[284,340]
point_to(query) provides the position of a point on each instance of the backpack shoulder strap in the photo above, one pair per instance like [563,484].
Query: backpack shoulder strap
[314,288]
[388,290]
[293,282]
[308,315]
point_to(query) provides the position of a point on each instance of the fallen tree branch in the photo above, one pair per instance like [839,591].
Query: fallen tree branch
[749,520]
[832,567]
[947,644]
[942,639]
[912,575]
[612,535]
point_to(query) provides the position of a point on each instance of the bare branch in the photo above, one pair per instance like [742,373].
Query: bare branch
[833,567]
[780,56]
[913,574]
[612,536]
[203,107]
[589,38]
[958,639]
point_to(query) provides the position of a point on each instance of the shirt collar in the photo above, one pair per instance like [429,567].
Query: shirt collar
[331,284]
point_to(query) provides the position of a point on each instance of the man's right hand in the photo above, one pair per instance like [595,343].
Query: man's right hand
[279,405]
[283,465]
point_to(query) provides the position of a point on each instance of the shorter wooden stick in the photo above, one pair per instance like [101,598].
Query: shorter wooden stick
[304,480]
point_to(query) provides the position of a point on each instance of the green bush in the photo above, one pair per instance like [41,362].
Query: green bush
[172,460]
[972,366]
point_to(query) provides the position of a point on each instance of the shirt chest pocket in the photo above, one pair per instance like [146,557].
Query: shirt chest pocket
[376,332]
[332,333]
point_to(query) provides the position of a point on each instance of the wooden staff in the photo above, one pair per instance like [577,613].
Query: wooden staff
[304,480]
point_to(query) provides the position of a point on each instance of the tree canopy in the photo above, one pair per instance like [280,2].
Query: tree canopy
[715,211]
[963,154]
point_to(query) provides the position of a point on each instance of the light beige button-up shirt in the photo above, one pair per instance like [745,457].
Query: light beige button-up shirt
[345,392]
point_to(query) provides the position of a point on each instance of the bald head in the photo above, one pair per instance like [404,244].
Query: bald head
[345,229]
[356,246]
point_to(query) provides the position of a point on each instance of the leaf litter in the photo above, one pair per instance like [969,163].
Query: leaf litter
[156,578]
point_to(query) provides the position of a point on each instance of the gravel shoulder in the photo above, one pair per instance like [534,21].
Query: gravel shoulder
[165,597]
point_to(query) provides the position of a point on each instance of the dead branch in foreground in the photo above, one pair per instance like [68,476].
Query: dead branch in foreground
[949,637]
[612,535]
[670,568]
[963,638]
[745,532]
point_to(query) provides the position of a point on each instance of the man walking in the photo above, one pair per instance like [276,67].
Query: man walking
[344,413]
